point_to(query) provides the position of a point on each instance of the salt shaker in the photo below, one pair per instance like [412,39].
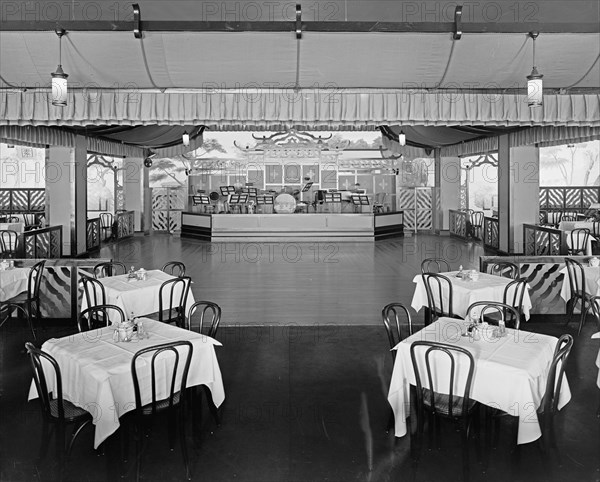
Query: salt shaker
[116,335]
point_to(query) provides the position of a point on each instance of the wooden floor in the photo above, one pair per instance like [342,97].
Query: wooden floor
[298,283]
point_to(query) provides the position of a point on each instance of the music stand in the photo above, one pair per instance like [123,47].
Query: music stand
[360,200]
[251,191]
[333,197]
[202,199]
[307,186]
[238,198]
[226,190]
[264,199]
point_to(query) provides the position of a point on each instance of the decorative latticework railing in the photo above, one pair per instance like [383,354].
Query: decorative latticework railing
[491,238]
[542,241]
[458,223]
[20,201]
[568,198]
[167,206]
[92,234]
[125,224]
[43,243]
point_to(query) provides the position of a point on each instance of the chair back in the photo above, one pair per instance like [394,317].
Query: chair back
[436,285]
[31,222]
[174,268]
[93,291]
[477,218]
[568,216]
[99,316]
[172,297]
[171,381]
[442,378]
[8,242]
[434,265]
[13,219]
[106,220]
[554,217]
[509,314]
[36,357]
[555,374]
[578,241]
[576,276]
[391,316]
[514,292]
[110,268]
[506,269]
[35,280]
[210,317]
[596,229]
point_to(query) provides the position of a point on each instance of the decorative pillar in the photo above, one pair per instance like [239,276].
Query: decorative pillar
[436,222]
[133,181]
[518,192]
[66,194]
[147,202]
[449,182]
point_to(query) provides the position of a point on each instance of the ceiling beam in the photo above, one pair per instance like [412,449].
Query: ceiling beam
[307,26]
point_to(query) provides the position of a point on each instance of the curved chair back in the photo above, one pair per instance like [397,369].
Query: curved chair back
[505,269]
[514,293]
[434,265]
[578,241]
[576,276]
[181,352]
[110,268]
[99,316]
[39,377]
[596,229]
[568,216]
[509,314]
[35,280]
[31,222]
[477,218]
[210,317]
[391,316]
[106,220]
[13,219]
[174,268]
[438,285]
[9,241]
[93,291]
[440,397]
[555,374]
[172,297]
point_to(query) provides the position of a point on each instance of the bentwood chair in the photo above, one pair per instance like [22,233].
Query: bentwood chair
[9,242]
[99,316]
[477,223]
[55,409]
[514,293]
[436,285]
[166,366]
[29,300]
[505,269]
[576,276]
[93,290]
[207,324]
[13,219]
[443,390]
[495,312]
[174,268]
[106,225]
[31,222]
[172,298]
[110,268]
[393,315]
[568,216]
[6,310]
[578,240]
[434,265]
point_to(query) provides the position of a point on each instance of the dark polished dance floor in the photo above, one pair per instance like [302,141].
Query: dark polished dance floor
[304,401]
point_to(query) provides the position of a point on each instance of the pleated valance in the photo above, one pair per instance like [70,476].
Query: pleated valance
[339,108]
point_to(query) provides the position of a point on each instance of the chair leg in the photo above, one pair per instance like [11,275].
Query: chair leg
[583,316]
[183,442]
[212,407]
[570,308]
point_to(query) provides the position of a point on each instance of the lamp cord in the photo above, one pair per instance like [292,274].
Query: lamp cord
[146,65]
[586,73]
[447,64]
[297,86]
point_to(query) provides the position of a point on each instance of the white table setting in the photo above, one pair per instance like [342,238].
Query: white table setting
[510,372]
[12,281]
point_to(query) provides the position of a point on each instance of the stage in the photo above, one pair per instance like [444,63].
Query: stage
[292,227]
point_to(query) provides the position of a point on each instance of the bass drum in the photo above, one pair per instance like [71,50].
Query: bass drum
[214,196]
[284,204]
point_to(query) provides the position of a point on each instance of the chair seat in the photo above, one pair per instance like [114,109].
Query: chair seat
[162,404]
[442,403]
[22,297]
[72,412]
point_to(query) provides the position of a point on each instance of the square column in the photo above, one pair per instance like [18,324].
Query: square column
[518,192]
[133,188]
[449,186]
[66,194]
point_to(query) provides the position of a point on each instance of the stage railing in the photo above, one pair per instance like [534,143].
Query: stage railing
[541,240]
[458,223]
[491,234]
[125,224]
[568,198]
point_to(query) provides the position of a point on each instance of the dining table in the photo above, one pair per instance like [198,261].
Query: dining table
[12,282]
[579,240]
[466,291]
[96,371]
[510,372]
[591,274]
[138,296]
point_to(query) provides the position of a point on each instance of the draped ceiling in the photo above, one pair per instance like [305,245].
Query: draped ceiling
[341,73]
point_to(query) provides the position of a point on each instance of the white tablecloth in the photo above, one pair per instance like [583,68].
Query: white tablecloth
[571,225]
[139,297]
[510,373]
[12,282]
[96,372]
[18,227]
[598,365]
[487,288]
[580,236]
[592,282]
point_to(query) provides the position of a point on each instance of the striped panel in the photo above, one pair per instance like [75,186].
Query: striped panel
[590,195]
[20,201]
[545,281]
[573,198]
[4,200]
[160,220]
[543,194]
[424,220]
[175,221]
[490,233]
[93,234]
[29,242]
[178,198]
[555,198]
[55,247]
[55,292]
[37,200]
[159,199]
